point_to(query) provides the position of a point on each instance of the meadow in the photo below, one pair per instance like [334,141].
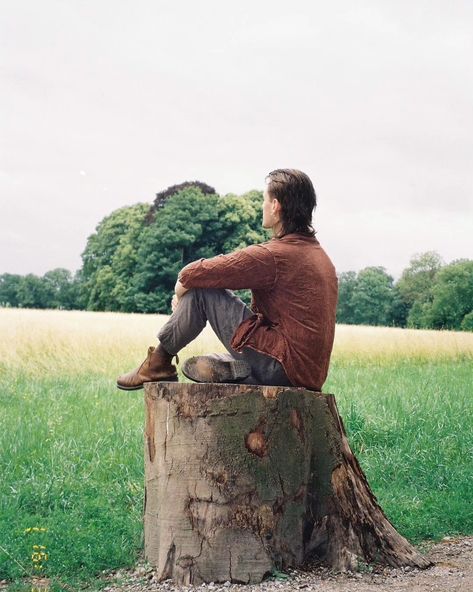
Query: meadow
[71,444]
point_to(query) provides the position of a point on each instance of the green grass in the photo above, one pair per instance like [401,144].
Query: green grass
[71,454]
[410,427]
[72,463]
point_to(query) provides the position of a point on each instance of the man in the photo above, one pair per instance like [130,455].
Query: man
[286,337]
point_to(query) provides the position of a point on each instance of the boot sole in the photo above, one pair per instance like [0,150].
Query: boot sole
[140,386]
[207,369]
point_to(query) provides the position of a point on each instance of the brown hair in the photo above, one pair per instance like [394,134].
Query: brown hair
[294,191]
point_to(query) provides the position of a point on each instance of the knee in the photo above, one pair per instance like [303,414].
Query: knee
[192,294]
[204,293]
[195,297]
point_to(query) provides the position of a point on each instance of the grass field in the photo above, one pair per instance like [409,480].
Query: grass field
[71,493]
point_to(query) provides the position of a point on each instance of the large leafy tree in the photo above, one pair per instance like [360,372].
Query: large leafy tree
[132,261]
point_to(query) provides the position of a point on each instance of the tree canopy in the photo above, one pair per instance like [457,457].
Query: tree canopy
[132,261]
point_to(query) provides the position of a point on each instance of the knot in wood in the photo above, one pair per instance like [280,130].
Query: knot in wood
[255,442]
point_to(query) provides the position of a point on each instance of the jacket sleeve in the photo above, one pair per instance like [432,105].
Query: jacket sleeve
[253,267]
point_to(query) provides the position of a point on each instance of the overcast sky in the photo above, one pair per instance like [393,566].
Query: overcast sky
[104,103]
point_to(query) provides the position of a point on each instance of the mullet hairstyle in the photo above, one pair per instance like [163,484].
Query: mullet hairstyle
[294,191]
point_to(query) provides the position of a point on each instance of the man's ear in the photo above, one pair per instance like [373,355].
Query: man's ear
[276,206]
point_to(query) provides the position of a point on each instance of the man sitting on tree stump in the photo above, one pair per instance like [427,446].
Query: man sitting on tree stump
[286,337]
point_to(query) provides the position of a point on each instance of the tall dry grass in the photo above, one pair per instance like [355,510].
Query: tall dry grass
[56,342]
[392,343]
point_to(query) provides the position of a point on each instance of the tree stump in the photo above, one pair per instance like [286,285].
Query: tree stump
[244,479]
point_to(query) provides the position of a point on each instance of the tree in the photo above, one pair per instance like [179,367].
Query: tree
[9,285]
[109,260]
[162,197]
[241,220]
[415,287]
[346,287]
[186,229]
[419,315]
[417,279]
[245,507]
[34,292]
[63,288]
[467,323]
[399,309]
[452,296]
[372,297]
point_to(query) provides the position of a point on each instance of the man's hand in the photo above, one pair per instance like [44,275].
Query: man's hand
[179,291]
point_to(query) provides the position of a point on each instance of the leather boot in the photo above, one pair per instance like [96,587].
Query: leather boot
[157,367]
[216,368]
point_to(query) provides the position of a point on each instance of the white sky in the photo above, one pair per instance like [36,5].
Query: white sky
[104,103]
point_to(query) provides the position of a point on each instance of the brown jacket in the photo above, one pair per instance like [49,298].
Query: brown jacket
[294,288]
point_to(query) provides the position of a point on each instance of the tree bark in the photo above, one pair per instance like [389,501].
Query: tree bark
[244,479]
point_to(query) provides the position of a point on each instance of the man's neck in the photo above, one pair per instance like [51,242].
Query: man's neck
[277,230]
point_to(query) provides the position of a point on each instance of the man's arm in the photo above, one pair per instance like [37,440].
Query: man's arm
[252,267]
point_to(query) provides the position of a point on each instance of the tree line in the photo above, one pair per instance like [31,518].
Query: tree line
[428,295]
[131,261]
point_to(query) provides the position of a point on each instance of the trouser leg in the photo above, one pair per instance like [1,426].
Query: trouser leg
[221,308]
[225,312]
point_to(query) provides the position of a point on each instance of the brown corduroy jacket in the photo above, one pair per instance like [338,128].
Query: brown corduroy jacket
[294,288]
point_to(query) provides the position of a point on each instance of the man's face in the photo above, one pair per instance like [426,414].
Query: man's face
[268,216]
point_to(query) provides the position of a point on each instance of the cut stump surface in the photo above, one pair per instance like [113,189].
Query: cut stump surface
[245,479]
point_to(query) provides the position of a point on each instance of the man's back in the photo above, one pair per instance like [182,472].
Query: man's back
[295,320]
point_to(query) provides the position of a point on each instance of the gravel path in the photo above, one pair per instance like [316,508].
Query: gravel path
[452,571]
